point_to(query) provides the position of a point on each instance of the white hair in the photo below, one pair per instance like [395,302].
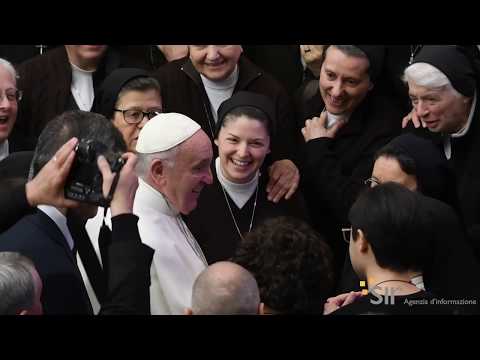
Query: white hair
[145,160]
[426,75]
[17,285]
[9,67]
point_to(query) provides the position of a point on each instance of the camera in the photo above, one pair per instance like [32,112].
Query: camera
[84,182]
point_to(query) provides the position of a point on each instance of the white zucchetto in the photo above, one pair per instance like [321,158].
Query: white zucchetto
[164,132]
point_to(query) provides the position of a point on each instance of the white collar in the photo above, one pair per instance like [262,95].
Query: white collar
[240,193]
[60,220]
[4,152]
[225,84]
[149,197]
[332,119]
[464,130]
[154,202]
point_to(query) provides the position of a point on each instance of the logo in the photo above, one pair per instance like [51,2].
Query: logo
[387,295]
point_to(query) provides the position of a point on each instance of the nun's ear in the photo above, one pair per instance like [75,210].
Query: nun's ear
[370,87]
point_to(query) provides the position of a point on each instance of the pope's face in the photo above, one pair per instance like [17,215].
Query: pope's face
[190,173]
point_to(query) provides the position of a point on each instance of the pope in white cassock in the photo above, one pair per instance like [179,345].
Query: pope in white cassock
[174,156]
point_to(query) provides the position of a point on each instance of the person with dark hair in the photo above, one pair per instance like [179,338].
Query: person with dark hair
[198,84]
[225,288]
[20,285]
[237,201]
[443,83]
[389,244]
[419,165]
[44,236]
[343,126]
[129,97]
[291,263]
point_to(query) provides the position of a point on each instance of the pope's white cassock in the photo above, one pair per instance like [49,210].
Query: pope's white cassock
[178,258]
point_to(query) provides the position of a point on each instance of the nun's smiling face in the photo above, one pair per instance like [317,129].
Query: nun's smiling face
[8,103]
[242,144]
[442,110]
[215,62]
[344,81]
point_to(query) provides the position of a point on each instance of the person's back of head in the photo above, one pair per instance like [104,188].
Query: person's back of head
[393,221]
[225,288]
[79,124]
[292,264]
[20,285]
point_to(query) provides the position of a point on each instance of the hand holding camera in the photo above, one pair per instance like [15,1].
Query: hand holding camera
[47,187]
[122,201]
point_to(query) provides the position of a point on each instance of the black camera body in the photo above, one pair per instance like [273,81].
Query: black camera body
[84,182]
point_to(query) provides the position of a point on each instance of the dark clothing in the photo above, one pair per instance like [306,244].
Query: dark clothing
[183,92]
[420,303]
[13,199]
[16,165]
[390,81]
[122,288]
[13,202]
[45,81]
[38,237]
[213,227]
[128,275]
[86,251]
[335,169]
[302,96]
[148,57]
[464,161]
[283,62]
[453,270]
[17,54]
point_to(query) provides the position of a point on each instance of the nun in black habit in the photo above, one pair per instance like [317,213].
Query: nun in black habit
[452,270]
[237,200]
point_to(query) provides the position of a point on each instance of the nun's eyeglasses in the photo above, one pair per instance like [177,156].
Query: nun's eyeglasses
[12,95]
[133,116]
[347,234]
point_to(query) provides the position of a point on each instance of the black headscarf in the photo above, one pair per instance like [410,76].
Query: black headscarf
[434,176]
[107,95]
[376,56]
[246,98]
[459,64]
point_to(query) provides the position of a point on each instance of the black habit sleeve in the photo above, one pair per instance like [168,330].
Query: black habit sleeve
[13,203]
